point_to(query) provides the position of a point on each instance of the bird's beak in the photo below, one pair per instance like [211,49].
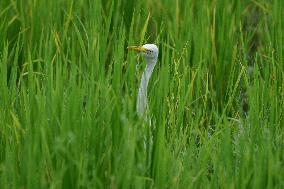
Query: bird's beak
[137,48]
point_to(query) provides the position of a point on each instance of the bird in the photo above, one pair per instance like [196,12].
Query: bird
[150,53]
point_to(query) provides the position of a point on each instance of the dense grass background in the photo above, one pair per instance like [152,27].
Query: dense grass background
[68,90]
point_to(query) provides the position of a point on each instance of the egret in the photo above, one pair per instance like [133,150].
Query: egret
[150,53]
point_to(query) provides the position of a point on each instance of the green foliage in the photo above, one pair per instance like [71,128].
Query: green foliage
[68,90]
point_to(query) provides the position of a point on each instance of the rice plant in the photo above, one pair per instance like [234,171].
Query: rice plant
[69,86]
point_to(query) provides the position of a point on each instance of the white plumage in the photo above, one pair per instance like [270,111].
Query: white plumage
[150,53]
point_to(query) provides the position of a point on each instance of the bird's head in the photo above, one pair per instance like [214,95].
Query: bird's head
[149,51]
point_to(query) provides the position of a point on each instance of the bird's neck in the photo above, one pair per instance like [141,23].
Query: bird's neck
[148,72]
[142,93]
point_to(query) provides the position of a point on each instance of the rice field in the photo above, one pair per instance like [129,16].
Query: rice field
[68,90]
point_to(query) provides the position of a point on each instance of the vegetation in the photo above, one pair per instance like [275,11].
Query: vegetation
[68,90]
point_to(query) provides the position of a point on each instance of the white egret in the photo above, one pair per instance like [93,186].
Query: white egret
[150,53]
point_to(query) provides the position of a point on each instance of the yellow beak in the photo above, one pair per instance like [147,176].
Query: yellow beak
[137,48]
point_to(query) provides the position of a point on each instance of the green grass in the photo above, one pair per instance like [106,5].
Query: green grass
[68,90]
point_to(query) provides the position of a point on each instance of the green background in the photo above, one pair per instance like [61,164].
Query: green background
[68,90]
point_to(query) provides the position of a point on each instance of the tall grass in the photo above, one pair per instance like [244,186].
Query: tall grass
[68,90]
